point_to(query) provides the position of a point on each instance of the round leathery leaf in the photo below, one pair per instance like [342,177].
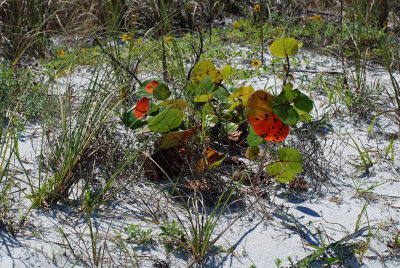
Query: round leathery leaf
[173,139]
[149,88]
[290,163]
[142,107]
[203,69]
[270,128]
[284,47]
[131,121]
[253,139]
[258,104]
[161,92]
[252,152]
[166,121]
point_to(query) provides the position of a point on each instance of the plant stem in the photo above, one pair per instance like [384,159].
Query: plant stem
[261,166]
[262,37]
[287,70]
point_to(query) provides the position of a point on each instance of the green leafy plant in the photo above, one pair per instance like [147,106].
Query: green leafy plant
[270,117]
[172,236]
[177,118]
[138,235]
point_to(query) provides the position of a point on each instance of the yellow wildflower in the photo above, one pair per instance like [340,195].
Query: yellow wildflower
[125,37]
[60,53]
[257,8]
[139,41]
[255,63]
[169,39]
[318,17]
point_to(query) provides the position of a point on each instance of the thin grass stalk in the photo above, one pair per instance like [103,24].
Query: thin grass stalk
[262,34]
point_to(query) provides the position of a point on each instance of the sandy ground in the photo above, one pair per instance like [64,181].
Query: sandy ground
[355,208]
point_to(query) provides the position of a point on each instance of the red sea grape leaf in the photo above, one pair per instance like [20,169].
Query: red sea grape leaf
[270,128]
[142,107]
[151,86]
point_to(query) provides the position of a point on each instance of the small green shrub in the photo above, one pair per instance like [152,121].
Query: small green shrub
[138,235]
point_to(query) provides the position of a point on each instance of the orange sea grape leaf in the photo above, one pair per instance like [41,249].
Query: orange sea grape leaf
[271,128]
[149,88]
[142,107]
[212,158]
[206,68]
[173,139]
[258,105]
[261,117]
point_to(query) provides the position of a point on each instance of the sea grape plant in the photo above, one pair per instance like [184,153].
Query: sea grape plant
[179,116]
[206,103]
[271,116]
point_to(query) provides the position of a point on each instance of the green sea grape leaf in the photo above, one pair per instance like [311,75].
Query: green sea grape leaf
[284,47]
[290,94]
[286,113]
[252,152]
[173,103]
[204,98]
[203,69]
[227,71]
[166,121]
[161,92]
[130,120]
[205,87]
[303,103]
[242,94]
[253,139]
[290,163]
